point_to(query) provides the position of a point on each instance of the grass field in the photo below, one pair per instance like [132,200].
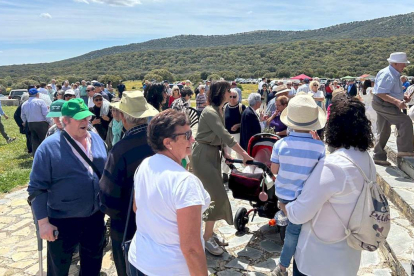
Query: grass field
[15,162]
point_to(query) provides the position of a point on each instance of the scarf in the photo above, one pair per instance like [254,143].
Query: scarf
[104,108]
[116,131]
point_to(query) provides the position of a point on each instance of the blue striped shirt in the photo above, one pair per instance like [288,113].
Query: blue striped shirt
[297,155]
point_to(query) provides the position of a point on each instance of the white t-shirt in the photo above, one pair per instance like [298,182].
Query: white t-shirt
[43,91]
[161,188]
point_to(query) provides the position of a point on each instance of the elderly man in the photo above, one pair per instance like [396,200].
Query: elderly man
[117,181]
[64,184]
[34,113]
[250,121]
[388,101]
[304,87]
[90,90]
[69,94]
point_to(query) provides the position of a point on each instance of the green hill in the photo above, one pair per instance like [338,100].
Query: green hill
[381,27]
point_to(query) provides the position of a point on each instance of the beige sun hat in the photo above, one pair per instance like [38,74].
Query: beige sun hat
[281,89]
[337,92]
[302,113]
[135,105]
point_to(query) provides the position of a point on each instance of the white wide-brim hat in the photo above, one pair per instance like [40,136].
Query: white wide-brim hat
[302,113]
[398,57]
[135,105]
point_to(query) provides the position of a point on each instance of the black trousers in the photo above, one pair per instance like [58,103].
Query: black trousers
[28,139]
[38,132]
[117,233]
[88,233]
[296,271]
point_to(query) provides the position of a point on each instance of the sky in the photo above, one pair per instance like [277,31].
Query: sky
[35,31]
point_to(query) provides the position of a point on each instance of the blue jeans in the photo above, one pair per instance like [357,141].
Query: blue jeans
[328,102]
[133,271]
[291,240]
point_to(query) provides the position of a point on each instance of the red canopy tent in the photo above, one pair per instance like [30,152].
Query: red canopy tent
[301,77]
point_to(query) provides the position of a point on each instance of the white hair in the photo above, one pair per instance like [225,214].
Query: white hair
[233,90]
[202,86]
[62,122]
[254,98]
[132,120]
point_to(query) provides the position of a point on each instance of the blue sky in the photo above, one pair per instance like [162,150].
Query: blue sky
[33,31]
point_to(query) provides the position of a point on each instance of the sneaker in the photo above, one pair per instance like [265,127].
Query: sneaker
[382,162]
[402,154]
[219,240]
[213,248]
[10,140]
[278,272]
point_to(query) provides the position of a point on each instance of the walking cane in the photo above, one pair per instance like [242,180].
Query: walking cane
[39,240]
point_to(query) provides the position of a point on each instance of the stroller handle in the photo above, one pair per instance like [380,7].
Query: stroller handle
[256,163]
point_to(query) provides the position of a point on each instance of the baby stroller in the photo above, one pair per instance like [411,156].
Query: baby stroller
[256,186]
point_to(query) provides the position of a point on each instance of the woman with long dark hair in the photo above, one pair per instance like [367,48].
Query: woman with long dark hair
[212,136]
[156,95]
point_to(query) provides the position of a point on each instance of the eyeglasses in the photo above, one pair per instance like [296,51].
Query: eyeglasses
[97,100]
[69,95]
[187,134]
[87,90]
[233,97]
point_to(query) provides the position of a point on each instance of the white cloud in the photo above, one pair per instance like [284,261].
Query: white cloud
[82,1]
[120,3]
[46,15]
[249,12]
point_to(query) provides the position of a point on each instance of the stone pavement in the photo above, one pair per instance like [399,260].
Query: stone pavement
[254,252]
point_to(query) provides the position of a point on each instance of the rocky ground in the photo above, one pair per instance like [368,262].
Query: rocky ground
[253,252]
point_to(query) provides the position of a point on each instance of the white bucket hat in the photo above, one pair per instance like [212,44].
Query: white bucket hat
[135,105]
[302,113]
[398,57]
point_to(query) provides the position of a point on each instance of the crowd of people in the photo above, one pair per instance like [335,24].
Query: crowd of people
[97,154]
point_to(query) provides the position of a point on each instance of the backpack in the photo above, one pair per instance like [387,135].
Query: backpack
[369,224]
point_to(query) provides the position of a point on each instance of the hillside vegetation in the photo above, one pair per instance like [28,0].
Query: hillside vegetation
[336,58]
[381,27]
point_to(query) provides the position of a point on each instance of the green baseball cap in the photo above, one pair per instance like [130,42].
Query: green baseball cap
[76,109]
[55,109]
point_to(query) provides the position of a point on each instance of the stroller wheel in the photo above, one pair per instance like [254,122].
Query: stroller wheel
[241,219]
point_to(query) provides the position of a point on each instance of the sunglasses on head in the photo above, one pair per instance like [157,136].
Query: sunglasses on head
[187,134]
[233,97]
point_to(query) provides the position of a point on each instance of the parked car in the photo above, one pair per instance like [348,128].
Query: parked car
[17,94]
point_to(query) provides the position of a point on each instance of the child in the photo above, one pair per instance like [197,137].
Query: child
[293,159]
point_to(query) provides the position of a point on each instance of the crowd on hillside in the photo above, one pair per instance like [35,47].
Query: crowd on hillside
[134,157]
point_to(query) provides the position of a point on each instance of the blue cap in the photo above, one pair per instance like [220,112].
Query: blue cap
[33,91]
[97,84]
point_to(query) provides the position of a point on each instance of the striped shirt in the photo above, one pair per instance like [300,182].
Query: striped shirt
[297,155]
[200,100]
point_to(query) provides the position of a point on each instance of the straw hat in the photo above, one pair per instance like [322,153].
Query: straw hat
[337,92]
[135,105]
[281,89]
[302,113]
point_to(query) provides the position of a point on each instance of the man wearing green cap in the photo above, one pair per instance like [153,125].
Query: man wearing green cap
[65,188]
[55,112]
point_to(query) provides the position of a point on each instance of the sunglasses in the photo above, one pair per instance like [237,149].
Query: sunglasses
[187,134]
[87,90]
[97,100]
[69,95]
[233,97]
[315,85]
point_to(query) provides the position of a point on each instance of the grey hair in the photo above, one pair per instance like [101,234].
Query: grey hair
[24,97]
[288,82]
[64,117]
[233,90]
[404,77]
[202,86]
[254,98]
[133,121]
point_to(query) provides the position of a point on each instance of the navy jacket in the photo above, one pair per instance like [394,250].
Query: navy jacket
[250,126]
[69,190]
[118,178]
